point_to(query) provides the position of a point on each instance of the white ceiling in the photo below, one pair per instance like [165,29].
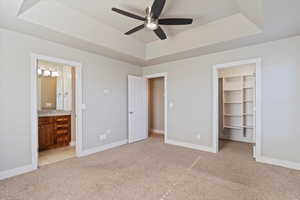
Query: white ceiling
[90,25]
[202,11]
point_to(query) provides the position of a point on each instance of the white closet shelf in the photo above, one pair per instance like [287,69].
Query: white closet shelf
[248,114]
[237,102]
[232,90]
[248,88]
[232,76]
[232,115]
[233,127]
[238,127]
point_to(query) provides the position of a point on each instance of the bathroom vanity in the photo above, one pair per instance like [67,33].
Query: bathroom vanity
[54,129]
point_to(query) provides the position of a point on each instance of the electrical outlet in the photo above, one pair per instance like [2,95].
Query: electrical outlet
[199,136]
[102,137]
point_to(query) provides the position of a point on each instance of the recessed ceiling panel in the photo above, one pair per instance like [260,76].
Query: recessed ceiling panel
[203,12]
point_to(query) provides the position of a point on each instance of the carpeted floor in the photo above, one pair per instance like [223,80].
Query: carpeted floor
[152,170]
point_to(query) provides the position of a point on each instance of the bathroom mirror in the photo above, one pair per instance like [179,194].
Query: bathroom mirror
[54,86]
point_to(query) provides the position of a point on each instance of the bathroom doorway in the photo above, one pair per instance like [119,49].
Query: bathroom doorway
[56,110]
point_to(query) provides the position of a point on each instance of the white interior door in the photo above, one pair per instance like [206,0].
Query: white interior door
[137,109]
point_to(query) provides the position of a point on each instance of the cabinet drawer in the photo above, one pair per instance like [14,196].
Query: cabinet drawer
[45,120]
[59,126]
[63,119]
[62,132]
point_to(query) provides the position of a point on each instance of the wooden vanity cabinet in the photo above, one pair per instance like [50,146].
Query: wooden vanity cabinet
[54,132]
[46,133]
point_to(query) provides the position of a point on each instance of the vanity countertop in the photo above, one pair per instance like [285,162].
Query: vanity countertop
[51,113]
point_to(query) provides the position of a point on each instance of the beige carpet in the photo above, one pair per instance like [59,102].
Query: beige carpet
[151,170]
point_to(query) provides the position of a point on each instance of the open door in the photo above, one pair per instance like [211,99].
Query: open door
[137,109]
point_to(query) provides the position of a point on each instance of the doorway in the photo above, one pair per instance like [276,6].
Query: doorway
[56,110]
[139,108]
[236,108]
[157,101]
[156,113]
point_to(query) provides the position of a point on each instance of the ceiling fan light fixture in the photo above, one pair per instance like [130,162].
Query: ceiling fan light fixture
[151,26]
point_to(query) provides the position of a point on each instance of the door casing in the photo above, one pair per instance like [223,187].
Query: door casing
[165,76]
[215,115]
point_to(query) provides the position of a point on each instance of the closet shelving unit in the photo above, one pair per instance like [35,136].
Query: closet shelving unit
[238,107]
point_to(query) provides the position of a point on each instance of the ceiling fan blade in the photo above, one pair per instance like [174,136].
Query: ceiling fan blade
[128,14]
[175,21]
[160,33]
[157,8]
[135,29]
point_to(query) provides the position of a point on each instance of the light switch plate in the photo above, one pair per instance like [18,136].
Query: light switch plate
[199,136]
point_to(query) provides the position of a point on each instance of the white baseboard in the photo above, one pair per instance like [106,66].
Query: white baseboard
[72,143]
[102,148]
[157,131]
[277,162]
[16,171]
[191,146]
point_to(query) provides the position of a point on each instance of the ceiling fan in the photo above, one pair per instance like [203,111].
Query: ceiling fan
[152,21]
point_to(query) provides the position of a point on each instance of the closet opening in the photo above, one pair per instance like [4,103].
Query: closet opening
[156,108]
[235,107]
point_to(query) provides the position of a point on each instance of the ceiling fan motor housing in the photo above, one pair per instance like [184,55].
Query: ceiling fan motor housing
[151,24]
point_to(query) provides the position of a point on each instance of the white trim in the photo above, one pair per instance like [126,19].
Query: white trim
[165,76]
[34,115]
[215,116]
[157,131]
[102,148]
[277,162]
[72,144]
[157,75]
[16,171]
[191,146]
[34,112]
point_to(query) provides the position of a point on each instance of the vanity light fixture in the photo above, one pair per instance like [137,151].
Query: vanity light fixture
[54,74]
[47,73]
[40,71]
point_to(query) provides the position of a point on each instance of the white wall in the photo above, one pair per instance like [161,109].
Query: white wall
[156,101]
[190,89]
[104,111]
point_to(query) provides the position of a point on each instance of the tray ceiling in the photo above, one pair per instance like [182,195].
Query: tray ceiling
[203,12]
[90,25]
